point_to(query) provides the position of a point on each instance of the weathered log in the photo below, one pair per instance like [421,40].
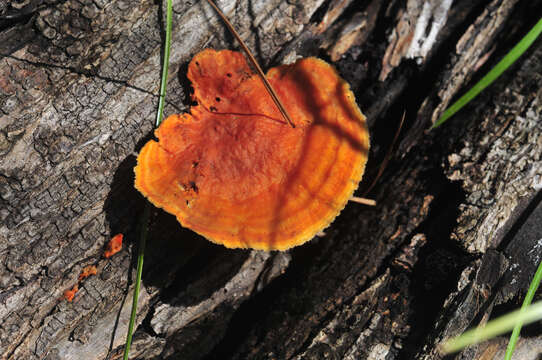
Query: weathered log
[454,238]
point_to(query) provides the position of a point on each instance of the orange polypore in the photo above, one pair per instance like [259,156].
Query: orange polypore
[113,246]
[235,172]
[88,271]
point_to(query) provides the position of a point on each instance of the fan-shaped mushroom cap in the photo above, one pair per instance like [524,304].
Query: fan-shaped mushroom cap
[235,172]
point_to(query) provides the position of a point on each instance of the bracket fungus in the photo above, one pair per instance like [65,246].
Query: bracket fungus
[234,171]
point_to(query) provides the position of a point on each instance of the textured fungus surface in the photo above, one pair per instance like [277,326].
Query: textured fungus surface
[235,172]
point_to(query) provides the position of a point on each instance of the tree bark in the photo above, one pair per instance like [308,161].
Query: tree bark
[453,241]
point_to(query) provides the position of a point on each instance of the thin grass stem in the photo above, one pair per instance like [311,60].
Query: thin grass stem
[526,302]
[140,256]
[493,74]
[165,65]
[493,328]
[144,222]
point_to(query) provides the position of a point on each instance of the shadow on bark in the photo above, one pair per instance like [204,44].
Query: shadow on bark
[175,258]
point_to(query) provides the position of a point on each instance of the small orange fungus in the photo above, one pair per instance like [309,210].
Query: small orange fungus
[113,246]
[70,294]
[235,172]
[87,271]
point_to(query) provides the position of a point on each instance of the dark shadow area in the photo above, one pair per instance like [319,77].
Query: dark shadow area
[175,257]
[315,273]
[13,14]
[440,262]
[310,265]
[18,11]
[122,208]
[526,227]
[15,33]
[258,315]
[408,85]
[186,84]
[318,15]
[522,248]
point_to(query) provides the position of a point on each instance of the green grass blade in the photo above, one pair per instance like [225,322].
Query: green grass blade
[528,299]
[141,252]
[165,65]
[146,212]
[493,74]
[494,328]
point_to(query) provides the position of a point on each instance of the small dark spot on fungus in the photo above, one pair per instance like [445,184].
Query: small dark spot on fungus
[217,99]
[197,63]
[195,164]
[193,186]
[213,109]
[228,74]
[194,103]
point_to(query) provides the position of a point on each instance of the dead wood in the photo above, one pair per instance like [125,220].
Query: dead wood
[454,239]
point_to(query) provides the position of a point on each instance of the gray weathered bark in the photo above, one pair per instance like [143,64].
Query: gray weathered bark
[455,236]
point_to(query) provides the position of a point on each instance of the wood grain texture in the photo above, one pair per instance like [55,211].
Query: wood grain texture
[453,238]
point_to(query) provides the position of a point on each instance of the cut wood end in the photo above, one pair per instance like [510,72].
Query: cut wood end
[363,201]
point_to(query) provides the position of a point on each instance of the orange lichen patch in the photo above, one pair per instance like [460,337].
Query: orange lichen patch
[113,246]
[235,172]
[70,294]
[88,271]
